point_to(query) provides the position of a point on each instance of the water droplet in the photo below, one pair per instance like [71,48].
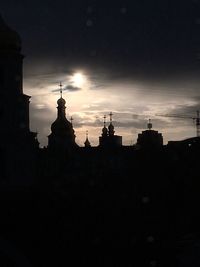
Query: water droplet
[89,23]
[145,200]
[123,10]
[150,239]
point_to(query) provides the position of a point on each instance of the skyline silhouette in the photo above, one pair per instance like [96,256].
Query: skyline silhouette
[107,205]
[105,121]
[143,55]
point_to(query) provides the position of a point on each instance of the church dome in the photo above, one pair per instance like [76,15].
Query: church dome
[111,128]
[9,39]
[61,102]
[104,131]
[62,133]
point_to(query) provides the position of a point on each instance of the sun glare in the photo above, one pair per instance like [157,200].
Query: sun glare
[78,79]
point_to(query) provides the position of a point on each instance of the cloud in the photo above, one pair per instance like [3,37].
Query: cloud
[72,88]
[187,110]
[69,88]
[121,120]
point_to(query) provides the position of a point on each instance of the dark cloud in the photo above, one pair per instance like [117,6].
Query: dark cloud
[189,111]
[72,88]
[134,38]
[69,88]
[123,120]
[155,45]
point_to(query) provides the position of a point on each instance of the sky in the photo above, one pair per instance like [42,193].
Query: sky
[136,58]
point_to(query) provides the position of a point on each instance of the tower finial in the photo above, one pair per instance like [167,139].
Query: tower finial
[111,131]
[111,114]
[104,120]
[104,130]
[61,89]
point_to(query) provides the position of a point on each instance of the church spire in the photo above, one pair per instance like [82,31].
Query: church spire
[111,114]
[61,104]
[87,142]
[111,131]
[62,133]
[108,138]
[104,129]
[61,89]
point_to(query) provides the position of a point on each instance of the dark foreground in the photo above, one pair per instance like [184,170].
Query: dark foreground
[142,213]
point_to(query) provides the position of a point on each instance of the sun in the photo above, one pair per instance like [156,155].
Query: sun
[78,79]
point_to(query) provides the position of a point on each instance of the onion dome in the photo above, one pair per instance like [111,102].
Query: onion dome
[111,129]
[61,102]
[62,135]
[104,131]
[61,126]
[9,39]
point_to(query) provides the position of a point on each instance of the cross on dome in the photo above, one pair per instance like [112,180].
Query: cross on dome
[111,114]
[104,120]
[61,89]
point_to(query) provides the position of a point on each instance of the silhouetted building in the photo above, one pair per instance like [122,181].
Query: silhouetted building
[17,141]
[108,139]
[97,198]
[185,144]
[62,135]
[150,138]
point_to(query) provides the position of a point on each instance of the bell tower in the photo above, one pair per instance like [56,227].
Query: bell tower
[14,105]
[17,143]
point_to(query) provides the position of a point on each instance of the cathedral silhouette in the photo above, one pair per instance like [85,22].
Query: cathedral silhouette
[109,205]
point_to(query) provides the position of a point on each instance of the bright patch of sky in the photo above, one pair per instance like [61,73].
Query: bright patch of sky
[89,97]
